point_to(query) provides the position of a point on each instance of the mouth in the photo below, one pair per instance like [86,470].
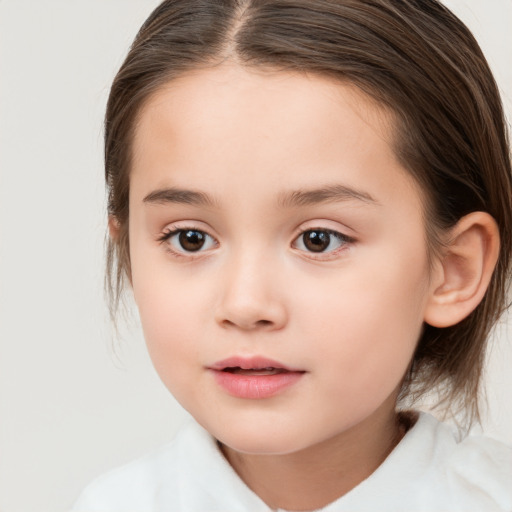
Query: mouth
[255,365]
[254,377]
[269,370]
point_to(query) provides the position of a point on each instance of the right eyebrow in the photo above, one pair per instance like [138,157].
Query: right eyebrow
[179,196]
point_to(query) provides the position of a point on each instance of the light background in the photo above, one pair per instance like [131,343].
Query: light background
[70,406]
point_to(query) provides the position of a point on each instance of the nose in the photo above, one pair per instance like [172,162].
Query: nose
[251,297]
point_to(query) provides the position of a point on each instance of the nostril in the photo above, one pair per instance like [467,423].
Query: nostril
[249,326]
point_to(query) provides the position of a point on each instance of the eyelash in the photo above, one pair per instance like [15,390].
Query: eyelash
[169,233]
[344,240]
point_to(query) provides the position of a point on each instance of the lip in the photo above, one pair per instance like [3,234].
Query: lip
[254,386]
[251,363]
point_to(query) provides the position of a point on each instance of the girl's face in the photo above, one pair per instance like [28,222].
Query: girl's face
[274,233]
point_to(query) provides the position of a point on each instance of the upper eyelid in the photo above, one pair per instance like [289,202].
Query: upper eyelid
[187,226]
[338,234]
[323,225]
[168,232]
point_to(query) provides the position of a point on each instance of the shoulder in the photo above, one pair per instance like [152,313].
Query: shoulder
[433,470]
[135,486]
[474,473]
[482,466]
[189,474]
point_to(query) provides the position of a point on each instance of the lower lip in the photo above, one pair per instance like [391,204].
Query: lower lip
[256,386]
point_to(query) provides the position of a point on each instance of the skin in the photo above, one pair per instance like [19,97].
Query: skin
[349,317]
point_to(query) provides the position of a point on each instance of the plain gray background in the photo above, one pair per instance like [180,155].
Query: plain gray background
[70,405]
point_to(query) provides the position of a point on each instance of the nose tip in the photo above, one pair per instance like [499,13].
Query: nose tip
[250,300]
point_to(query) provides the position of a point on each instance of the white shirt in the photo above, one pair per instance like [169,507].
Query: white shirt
[429,470]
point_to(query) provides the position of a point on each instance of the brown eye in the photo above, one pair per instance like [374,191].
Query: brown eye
[316,241]
[191,240]
[183,241]
[321,241]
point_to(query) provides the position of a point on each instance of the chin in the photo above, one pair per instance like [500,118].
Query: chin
[256,439]
[269,445]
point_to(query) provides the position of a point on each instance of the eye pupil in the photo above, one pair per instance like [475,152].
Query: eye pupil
[191,240]
[316,241]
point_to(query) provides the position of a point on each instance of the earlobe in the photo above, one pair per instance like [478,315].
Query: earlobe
[463,270]
[118,237]
[113,228]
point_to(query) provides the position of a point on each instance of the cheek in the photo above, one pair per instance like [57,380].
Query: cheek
[366,324]
[170,311]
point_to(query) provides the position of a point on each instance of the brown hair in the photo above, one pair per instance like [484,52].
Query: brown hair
[413,56]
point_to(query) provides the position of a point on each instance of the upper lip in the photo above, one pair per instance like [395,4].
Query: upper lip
[251,363]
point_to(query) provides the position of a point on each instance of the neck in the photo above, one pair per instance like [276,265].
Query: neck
[316,476]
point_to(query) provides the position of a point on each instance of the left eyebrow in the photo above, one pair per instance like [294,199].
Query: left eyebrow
[328,194]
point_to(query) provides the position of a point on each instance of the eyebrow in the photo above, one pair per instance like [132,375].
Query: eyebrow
[290,199]
[328,194]
[179,196]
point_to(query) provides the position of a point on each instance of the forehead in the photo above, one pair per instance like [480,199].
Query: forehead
[232,126]
[262,103]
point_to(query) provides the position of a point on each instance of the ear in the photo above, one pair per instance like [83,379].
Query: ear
[117,236]
[463,271]
[113,228]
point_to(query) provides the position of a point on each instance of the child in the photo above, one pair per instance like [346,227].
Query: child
[311,200]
